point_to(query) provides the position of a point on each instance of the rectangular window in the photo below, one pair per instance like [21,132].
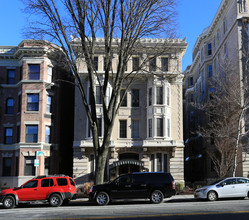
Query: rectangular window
[99,121]
[29,168]
[150,127]
[8,139]
[49,104]
[159,95]
[50,74]
[10,76]
[165,64]
[123,96]
[159,127]
[224,26]
[18,134]
[165,162]
[34,71]
[135,129]
[168,127]
[135,63]
[225,51]
[48,136]
[159,162]
[152,64]
[191,81]
[33,102]
[19,103]
[150,96]
[96,63]
[9,106]
[210,71]
[135,97]
[20,73]
[7,163]
[209,49]
[123,129]
[98,95]
[168,96]
[31,134]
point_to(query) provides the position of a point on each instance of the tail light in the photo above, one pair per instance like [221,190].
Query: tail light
[173,185]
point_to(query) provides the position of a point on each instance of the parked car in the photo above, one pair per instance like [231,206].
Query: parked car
[148,185]
[227,188]
[54,189]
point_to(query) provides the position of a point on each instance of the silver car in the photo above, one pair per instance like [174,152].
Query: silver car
[227,188]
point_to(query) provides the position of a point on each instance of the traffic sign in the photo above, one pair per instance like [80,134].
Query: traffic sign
[39,153]
[36,163]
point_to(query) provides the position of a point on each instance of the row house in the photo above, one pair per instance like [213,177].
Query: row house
[36,113]
[223,43]
[148,129]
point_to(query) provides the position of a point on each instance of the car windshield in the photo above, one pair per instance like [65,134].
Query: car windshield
[215,182]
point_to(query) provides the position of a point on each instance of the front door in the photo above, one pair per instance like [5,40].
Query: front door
[29,191]
[228,188]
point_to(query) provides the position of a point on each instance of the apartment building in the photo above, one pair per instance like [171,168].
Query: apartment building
[222,43]
[36,113]
[148,129]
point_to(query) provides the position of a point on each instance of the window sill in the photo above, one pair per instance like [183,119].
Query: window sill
[31,112]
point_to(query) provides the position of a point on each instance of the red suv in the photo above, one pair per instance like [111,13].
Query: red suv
[54,189]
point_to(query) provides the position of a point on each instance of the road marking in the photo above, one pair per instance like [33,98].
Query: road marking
[159,215]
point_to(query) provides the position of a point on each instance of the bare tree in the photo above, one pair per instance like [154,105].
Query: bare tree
[67,22]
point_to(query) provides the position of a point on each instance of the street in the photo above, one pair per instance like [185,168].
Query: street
[177,207]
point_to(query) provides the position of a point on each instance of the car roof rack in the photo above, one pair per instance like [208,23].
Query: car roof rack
[54,175]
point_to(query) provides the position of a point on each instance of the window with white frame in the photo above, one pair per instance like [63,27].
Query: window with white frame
[123,128]
[159,95]
[165,64]
[224,26]
[98,95]
[99,124]
[159,124]
[123,97]
[209,49]
[159,162]
[49,104]
[152,64]
[50,74]
[8,138]
[168,127]
[150,97]
[150,127]
[47,134]
[168,96]
[210,71]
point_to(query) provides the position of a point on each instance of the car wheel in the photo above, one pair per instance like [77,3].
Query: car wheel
[156,197]
[212,196]
[9,202]
[55,200]
[102,198]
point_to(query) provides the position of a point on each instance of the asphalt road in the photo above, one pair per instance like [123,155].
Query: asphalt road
[177,207]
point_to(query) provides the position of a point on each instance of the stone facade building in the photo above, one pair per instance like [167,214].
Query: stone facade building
[223,42]
[148,130]
[32,105]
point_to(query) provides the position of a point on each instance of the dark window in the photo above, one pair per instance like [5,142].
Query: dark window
[62,181]
[10,76]
[135,129]
[18,134]
[9,106]
[123,129]
[152,162]
[47,183]
[135,98]
[160,127]
[165,65]
[33,102]
[99,122]
[159,161]
[123,180]
[7,166]
[29,168]
[20,74]
[72,182]
[34,72]
[150,127]
[8,139]
[209,49]
[19,103]
[242,181]
[31,184]
[159,95]
[17,167]
[135,63]
[152,66]
[139,179]
[210,71]
[165,164]
[124,96]
[98,95]
[95,63]
[150,96]
[191,81]
[31,134]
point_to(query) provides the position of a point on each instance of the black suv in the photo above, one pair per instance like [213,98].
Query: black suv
[148,185]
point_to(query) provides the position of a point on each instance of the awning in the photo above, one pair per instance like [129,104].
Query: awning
[127,161]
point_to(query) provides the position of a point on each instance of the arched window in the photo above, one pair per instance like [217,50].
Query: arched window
[9,106]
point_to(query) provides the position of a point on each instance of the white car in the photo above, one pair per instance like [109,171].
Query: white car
[227,188]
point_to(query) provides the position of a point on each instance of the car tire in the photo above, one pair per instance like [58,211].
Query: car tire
[212,196]
[156,197]
[55,200]
[9,202]
[102,198]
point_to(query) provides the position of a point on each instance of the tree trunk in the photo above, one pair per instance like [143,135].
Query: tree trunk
[100,166]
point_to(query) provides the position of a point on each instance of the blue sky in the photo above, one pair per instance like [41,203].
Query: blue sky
[194,16]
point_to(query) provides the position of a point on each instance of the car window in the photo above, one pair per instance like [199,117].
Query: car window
[242,180]
[72,182]
[31,184]
[62,181]
[47,183]
[123,180]
[229,182]
[139,179]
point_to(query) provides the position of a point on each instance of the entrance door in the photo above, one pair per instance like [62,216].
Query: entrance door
[128,168]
